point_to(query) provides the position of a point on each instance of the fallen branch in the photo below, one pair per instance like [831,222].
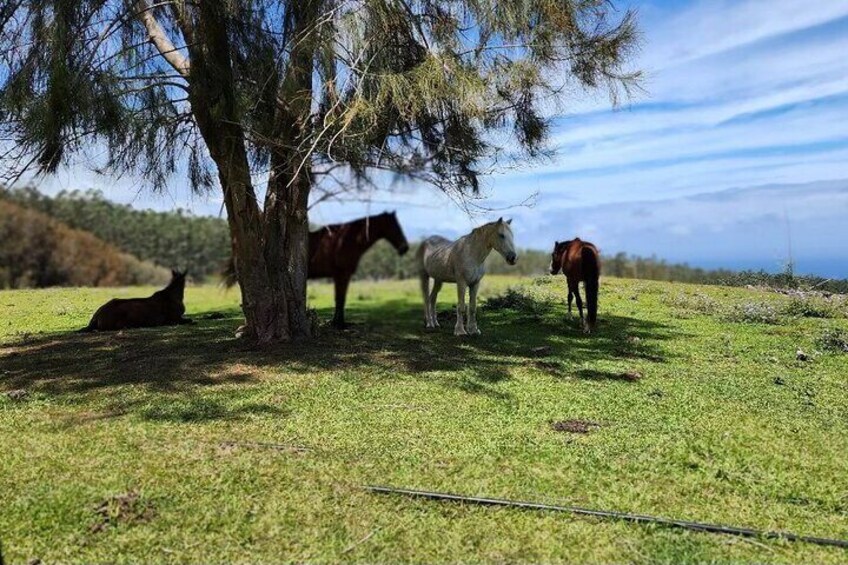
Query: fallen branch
[638,518]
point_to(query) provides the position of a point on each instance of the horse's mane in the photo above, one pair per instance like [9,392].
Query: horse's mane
[351,223]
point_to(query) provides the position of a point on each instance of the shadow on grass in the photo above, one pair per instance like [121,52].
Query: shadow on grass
[386,343]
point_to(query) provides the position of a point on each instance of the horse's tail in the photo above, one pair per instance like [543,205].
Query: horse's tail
[228,275]
[591,278]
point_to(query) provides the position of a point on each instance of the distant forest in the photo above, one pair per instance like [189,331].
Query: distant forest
[175,240]
[39,251]
[201,245]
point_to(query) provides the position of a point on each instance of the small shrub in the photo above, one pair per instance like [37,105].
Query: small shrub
[526,300]
[698,302]
[755,313]
[810,307]
[834,339]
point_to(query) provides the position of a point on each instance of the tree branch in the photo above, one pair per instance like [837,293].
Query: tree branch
[157,36]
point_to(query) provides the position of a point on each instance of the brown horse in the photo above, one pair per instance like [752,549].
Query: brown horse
[164,308]
[335,251]
[579,261]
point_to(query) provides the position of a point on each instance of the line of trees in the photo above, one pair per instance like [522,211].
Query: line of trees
[201,245]
[176,239]
[39,251]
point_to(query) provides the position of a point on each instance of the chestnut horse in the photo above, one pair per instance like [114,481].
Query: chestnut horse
[579,261]
[164,308]
[335,251]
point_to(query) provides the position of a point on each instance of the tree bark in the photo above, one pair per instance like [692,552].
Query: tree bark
[270,246]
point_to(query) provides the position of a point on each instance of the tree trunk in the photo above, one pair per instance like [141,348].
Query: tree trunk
[270,245]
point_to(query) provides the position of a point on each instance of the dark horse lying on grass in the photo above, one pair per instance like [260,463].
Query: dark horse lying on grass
[579,261]
[335,251]
[164,308]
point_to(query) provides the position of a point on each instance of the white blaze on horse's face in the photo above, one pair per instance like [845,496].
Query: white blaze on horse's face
[503,243]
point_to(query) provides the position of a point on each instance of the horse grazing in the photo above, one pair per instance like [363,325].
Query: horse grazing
[461,262]
[164,308]
[335,251]
[579,261]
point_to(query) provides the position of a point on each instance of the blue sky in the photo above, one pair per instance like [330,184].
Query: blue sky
[738,145]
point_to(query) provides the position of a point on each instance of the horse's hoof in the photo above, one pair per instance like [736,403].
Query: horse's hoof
[459,332]
[474,331]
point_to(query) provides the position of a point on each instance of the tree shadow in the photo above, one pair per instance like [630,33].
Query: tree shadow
[387,342]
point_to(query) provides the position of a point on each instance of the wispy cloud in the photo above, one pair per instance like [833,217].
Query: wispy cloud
[740,93]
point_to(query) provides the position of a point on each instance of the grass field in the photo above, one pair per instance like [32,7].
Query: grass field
[153,445]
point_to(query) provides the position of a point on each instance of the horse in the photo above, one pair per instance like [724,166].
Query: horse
[579,261]
[163,308]
[461,262]
[335,251]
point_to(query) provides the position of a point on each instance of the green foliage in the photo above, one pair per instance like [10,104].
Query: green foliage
[835,339]
[414,87]
[755,313]
[811,307]
[39,251]
[175,240]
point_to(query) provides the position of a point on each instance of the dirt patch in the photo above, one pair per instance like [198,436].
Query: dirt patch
[126,508]
[631,376]
[575,426]
[17,395]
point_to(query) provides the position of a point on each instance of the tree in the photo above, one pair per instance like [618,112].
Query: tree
[292,92]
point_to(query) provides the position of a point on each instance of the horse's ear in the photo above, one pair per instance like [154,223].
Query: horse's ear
[174,273]
[500,220]
[556,244]
[509,222]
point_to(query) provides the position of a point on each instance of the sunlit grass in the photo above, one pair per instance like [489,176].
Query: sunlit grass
[231,454]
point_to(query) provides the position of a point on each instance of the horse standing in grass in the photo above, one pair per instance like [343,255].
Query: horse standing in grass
[335,251]
[461,262]
[579,261]
[163,308]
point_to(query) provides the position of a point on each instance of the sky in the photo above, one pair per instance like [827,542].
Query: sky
[735,154]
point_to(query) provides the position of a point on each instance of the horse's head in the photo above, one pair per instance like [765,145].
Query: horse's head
[392,231]
[502,240]
[556,256]
[178,280]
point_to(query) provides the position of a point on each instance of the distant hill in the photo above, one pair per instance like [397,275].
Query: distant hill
[178,240]
[39,251]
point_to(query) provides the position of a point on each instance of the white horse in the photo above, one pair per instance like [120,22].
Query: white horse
[461,262]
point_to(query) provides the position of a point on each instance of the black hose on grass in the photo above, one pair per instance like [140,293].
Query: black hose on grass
[638,518]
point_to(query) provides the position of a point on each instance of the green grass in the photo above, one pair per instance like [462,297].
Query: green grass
[725,425]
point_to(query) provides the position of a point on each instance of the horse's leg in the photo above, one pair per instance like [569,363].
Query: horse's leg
[434,296]
[459,329]
[472,309]
[341,282]
[576,291]
[570,299]
[425,291]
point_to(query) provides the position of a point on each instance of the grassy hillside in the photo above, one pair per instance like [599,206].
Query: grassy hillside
[173,239]
[39,251]
[178,445]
